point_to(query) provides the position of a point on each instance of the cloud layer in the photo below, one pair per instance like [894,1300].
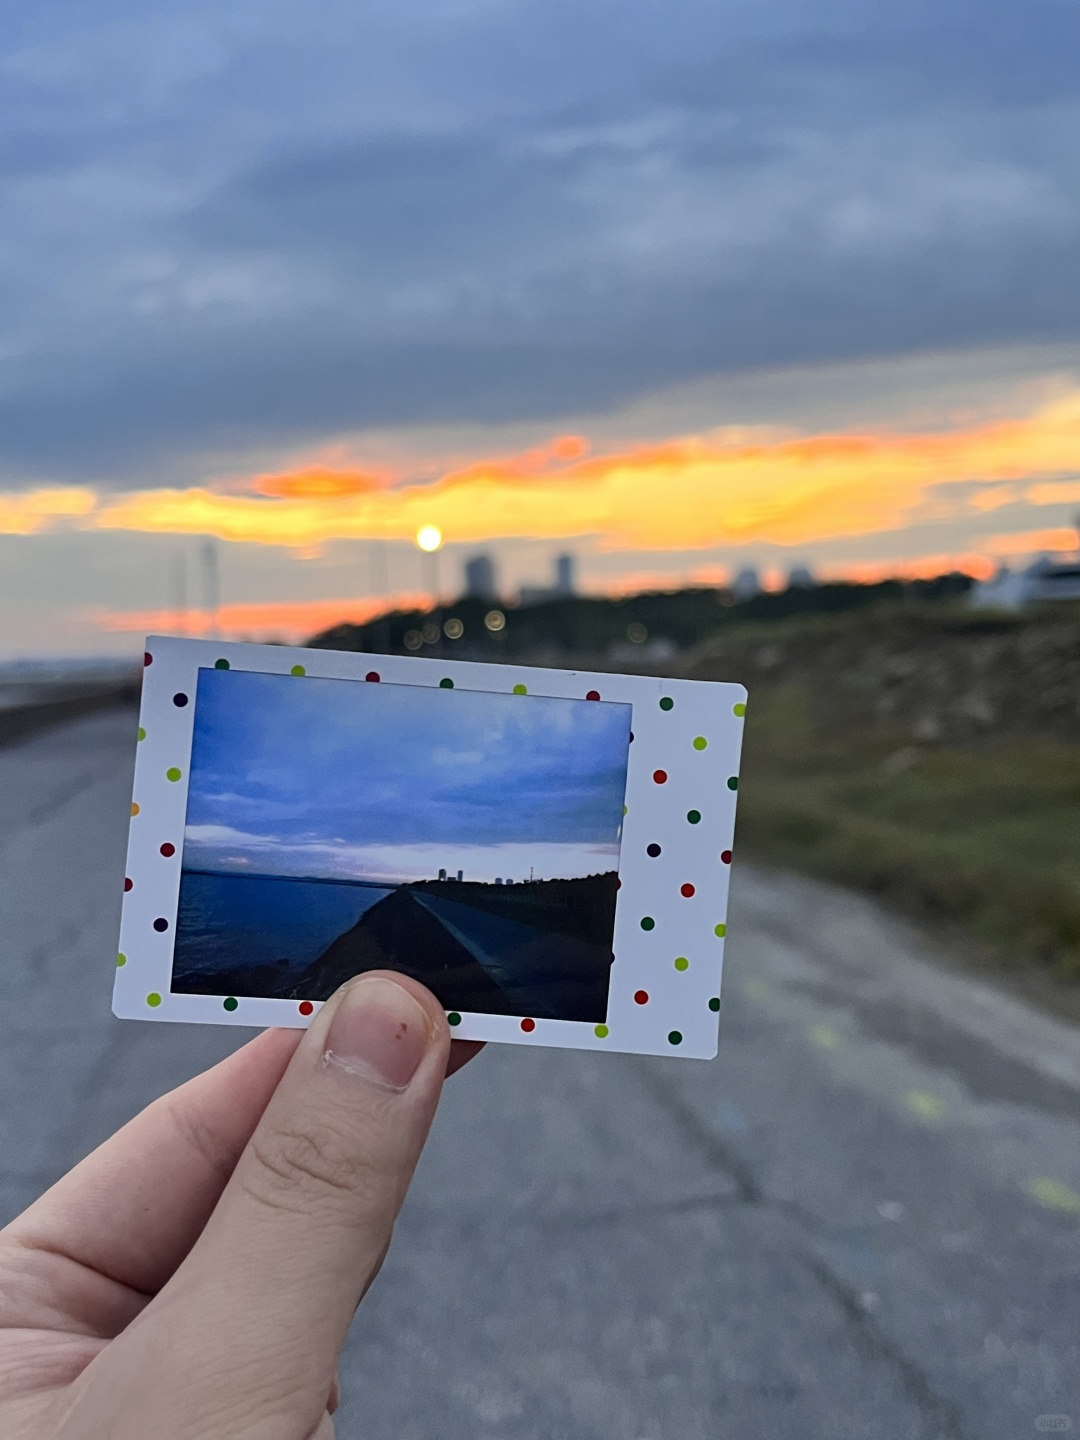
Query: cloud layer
[241,226]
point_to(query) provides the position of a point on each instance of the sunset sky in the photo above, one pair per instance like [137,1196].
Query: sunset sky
[677,286]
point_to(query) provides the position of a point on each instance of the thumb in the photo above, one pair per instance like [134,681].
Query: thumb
[259,1309]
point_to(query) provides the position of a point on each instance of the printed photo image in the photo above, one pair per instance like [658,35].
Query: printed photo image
[468,839]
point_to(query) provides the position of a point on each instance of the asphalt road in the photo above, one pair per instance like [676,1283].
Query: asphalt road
[862,1220]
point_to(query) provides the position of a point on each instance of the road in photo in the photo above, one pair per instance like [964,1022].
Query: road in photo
[860,1223]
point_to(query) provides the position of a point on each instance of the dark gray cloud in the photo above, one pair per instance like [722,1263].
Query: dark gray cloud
[256,224]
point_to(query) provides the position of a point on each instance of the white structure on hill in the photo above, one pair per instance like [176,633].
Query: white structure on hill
[1042,580]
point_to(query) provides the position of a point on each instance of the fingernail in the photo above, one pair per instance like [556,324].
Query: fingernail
[378,1032]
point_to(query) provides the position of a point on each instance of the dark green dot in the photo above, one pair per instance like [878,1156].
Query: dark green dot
[667,703]
[675,1037]
[694,816]
[733,782]
[231,1002]
[221,664]
[648,923]
[454,1018]
[714,1004]
[446,683]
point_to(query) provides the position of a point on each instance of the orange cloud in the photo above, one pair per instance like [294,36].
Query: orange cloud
[1025,542]
[37,510]
[688,493]
[278,619]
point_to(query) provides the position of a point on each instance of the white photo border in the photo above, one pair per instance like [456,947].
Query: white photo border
[674,862]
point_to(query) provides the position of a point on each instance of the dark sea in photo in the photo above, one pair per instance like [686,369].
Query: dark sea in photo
[539,948]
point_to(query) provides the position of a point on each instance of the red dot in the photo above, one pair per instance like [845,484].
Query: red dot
[618,883]
[528,1026]
[660,776]
[373,675]
[725,856]
[127,883]
[305,1007]
[147,658]
[641,997]
[686,890]
[168,849]
[593,695]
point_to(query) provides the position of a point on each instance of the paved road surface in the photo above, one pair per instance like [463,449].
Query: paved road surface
[861,1221]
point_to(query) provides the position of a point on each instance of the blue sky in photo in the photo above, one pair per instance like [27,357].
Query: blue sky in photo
[344,779]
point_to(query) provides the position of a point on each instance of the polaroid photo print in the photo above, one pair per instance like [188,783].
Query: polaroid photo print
[547,851]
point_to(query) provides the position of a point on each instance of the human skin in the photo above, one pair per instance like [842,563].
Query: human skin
[196,1275]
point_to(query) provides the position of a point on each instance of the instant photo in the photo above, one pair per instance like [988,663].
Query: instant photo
[548,851]
[467,839]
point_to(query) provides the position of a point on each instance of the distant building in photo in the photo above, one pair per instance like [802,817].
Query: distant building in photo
[800,577]
[747,584]
[1044,579]
[480,577]
[564,584]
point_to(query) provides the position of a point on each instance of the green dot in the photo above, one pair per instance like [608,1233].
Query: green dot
[700,742]
[142,733]
[675,1037]
[694,816]
[520,690]
[121,959]
[667,703]
[720,930]
[173,773]
[230,1002]
[682,963]
[298,670]
[647,922]
[714,1004]
[446,683]
[733,782]
[221,664]
[739,709]
[153,999]
[624,809]
[601,1032]
[454,1018]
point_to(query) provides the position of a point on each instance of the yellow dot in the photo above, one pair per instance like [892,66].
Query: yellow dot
[720,930]
[153,999]
[520,690]
[298,670]
[121,959]
[134,808]
[601,1032]
[700,742]
[682,963]
[924,1104]
[1054,1195]
[142,733]
[739,709]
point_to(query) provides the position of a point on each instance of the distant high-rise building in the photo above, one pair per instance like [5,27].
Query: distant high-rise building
[498,879]
[461,874]
[564,574]
[480,577]
[746,584]
[442,874]
[800,577]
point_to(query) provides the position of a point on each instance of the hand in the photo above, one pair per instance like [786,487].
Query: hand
[194,1278]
